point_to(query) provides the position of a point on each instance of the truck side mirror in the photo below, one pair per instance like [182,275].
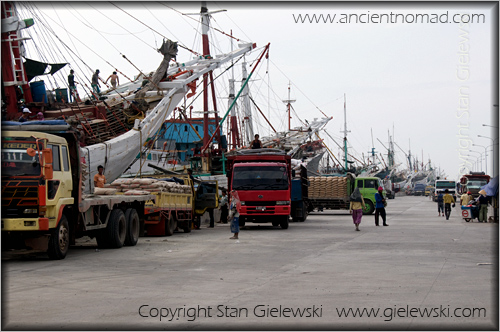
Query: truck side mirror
[47,163]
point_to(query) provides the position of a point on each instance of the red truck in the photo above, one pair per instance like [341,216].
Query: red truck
[473,182]
[262,178]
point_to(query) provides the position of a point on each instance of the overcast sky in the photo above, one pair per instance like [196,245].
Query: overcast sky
[432,83]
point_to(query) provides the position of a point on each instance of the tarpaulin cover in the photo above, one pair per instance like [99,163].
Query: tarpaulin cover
[492,187]
[35,68]
[27,123]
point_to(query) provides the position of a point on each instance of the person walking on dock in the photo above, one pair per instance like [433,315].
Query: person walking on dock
[440,203]
[356,207]
[234,214]
[448,200]
[223,208]
[115,81]
[95,84]
[380,206]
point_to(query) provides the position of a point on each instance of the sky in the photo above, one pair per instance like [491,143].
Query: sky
[429,85]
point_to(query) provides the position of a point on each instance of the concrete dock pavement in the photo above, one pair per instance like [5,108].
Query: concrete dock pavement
[421,272]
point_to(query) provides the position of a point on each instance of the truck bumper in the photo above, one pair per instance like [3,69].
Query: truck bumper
[25,224]
[277,210]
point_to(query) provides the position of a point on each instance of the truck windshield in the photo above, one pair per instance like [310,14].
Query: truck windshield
[16,162]
[476,184]
[445,184]
[260,178]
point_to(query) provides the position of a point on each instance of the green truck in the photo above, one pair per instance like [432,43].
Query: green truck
[333,192]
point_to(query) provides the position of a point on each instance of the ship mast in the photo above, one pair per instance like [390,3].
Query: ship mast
[247,111]
[233,121]
[345,135]
[289,106]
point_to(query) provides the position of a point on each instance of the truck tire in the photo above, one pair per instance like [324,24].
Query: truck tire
[284,222]
[59,240]
[368,207]
[170,226]
[133,227]
[275,223]
[116,231]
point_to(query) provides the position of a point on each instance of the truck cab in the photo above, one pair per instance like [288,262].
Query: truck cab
[441,185]
[36,180]
[368,186]
[263,182]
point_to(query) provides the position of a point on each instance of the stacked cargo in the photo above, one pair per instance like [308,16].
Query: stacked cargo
[137,186]
[327,187]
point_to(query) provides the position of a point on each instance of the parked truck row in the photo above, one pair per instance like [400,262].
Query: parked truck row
[44,207]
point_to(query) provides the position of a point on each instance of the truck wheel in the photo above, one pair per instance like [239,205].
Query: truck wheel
[59,240]
[170,226]
[368,207]
[133,227]
[275,223]
[187,229]
[116,229]
[284,222]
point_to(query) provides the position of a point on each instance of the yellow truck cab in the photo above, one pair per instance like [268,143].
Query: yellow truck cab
[43,206]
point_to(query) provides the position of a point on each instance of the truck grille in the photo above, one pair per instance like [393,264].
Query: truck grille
[18,196]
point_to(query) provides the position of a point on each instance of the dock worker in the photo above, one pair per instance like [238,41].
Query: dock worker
[95,83]
[73,93]
[256,143]
[483,206]
[115,81]
[99,178]
[24,117]
[465,198]
[223,206]
[448,201]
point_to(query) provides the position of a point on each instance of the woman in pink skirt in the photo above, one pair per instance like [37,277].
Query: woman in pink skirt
[356,207]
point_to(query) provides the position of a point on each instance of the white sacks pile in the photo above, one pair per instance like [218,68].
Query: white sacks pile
[327,187]
[146,186]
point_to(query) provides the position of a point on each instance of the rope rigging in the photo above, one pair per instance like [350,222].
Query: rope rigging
[179,44]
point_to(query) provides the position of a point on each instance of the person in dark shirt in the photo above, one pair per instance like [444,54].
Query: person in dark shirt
[380,206]
[440,203]
[256,143]
[483,206]
[24,117]
[95,84]
[73,93]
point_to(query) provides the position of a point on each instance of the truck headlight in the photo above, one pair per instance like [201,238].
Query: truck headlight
[282,202]
[30,211]
[242,203]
